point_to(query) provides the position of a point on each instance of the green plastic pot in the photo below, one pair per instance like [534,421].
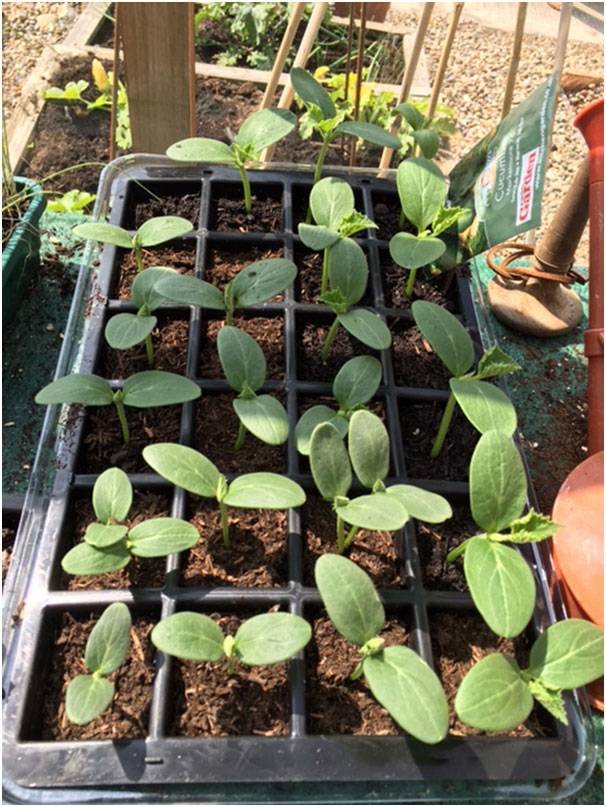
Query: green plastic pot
[21,255]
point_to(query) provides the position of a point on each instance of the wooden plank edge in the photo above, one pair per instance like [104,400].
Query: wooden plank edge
[86,25]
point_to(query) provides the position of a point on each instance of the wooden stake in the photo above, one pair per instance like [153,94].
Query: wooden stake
[359,68]
[113,113]
[444,57]
[515,58]
[409,73]
[282,55]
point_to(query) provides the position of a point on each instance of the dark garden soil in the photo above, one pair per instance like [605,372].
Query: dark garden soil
[435,541]
[258,556]
[140,572]
[419,423]
[459,640]
[441,290]
[336,705]
[208,702]
[180,258]
[215,430]
[414,362]
[187,206]
[222,106]
[8,539]
[228,213]
[375,552]
[310,341]
[225,261]
[170,352]
[103,444]
[267,331]
[128,715]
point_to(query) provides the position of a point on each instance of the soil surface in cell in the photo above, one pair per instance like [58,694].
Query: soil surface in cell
[8,539]
[140,572]
[187,206]
[459,641]
[228,212]
[209,702]
[257,557]
[375,552]
[336,705]
[128,715]
[224,262]
[268,332]
[435,541]
[169,341]
[419,422]
[440,290]
[216,429]
[414,362]
[103,445]
[386,215]
[309,278]
[310,342]
[181,259]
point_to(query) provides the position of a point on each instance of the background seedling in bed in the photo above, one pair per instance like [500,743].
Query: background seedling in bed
[324,119]
[264,639]
[398,678]
[384,508]
[483,404]
[124,331]
[500,580]
[255,284]
[422,191]
[151,233]
[109,544]
[496,695]
[244,366]
[141,390]
[332,207]
[258,131]
[87,696]
[195,473]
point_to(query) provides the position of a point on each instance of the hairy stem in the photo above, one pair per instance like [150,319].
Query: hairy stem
[410,283]
[123,421]
[443,428]
[241,437]
[149,350]
[224,524]
[340,535]
[330,336]
[325,268]
[246,188]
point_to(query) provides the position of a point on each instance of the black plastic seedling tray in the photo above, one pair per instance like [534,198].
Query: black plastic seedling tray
[302,766]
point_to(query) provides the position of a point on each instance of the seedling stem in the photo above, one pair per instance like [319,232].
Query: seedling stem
[325,266]
[241,437]
[410,283]
[224,524]
[330,336]
[246,188]
[149,350]
[122,417]
[138,252]
[443,428]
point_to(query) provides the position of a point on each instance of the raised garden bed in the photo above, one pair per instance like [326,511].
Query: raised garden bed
[275,732]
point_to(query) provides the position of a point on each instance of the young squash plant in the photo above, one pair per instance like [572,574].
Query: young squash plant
[332,207]
[329,123]
[384,508]
[244,367]
[258,131]
[354,385]
[141,391]
[154,231]
[195,473]
[496,695]
[88,696]
[500,580]
[398,678]
[483,404]
[263,639]
[255,284]
[109,544]
[422,190]
[126,330]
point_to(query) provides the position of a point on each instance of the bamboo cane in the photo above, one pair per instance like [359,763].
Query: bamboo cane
[444,57]
[515,58]
[359,67]
[114,107]
[311,31]
[409,73]
[282,55]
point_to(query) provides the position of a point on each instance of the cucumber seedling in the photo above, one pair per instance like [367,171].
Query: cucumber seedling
[483,404]
[141,390]
[244,367]
[392,673]
[354,385]
[88,696]
[257,132]
[255,284]
[124,331]
[332,206]
[109,544]
[422,131]
[496,695]
[151,233]
[195,473]
[500,580]
[422,191]
[329,123]
[384,508]
[263,639]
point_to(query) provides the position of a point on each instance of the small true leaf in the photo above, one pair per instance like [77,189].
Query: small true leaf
[485,406]
[448,338]
[329,462]
[264,417]
[312,418]
[264,491]
[107,645]
[161,229]
[271,638]
[568,654]
[90,390]
[422,190]
[105,233]
[445,218]
[497,482]
[241,358]
[348,270]
[330,200]
[112,495]
[184,467]
[412,252]
[126,330]
[262,280]
[422,504]
[311,91]
[158,388]
[265,127]
[190,636]
[158,537]
[495,362]
[350,598]
[86,698]
[201,150]
[550,699]
[368,448]
[86,559]
[530,528]
[357,381]
[368,327]
[376,511]
[102,535]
